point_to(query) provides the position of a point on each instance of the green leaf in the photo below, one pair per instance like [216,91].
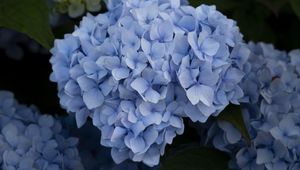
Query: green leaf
[233,114]
[196,158]
[30,17]
[296,6]
[273,5]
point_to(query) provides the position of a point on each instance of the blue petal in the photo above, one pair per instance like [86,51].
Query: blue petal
[145,108]
[46,121]
[11,158]
[176,122]
[194,114]
[232,134]
[119,156]
[264,155]
[207,110]
[192,39]
[151,158]
[61,72]
[210,47]
[154,118]
[146,14]
[90,67]
[107,86]
[46,133]
[201,93]
[120,73]
[188,23]
[137,128]
[140,85]
[86,83]
[10,132]
[152,96]
[76,71]
[118,133]
[108,62]
[185,78]
[150,135]
[131,40]
[137,144]
[81,117]
[234,75]
[157,51]
[26,163]
[169,136]
[208,77]
[72,88]
[93,98]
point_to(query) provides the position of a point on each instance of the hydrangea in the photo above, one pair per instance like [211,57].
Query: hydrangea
[116,69]
[271,113]
[209,57]
[129,69]
[29,140]
[140,130]
[76,8]
[94,156]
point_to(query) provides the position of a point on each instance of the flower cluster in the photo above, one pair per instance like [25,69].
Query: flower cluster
[121,78]
[271,113]
[76,8]
[29,140]
[209,56]
[93,155]
[138,69]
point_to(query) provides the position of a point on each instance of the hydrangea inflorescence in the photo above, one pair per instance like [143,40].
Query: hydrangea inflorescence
[138,69]
[29,140]
[93,155]
[271,113]
[209,57]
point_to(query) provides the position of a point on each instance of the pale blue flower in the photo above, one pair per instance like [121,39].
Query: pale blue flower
[116,69]
[295,59]
[140,130]
[93,155]
[209,59]
[30,140]
[246,159]
[270,111]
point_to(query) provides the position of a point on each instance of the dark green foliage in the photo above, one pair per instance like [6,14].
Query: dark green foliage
[233,114]
[196,158]
[30,17]
[296,6]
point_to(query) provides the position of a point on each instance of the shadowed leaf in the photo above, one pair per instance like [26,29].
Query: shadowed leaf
[30,17]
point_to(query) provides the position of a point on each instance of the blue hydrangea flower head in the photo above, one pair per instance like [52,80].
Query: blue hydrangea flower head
[209,57]
[30,140]
[140,130]
[139,68]
[93,155]
[270,110]
[115,68]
